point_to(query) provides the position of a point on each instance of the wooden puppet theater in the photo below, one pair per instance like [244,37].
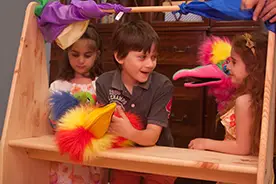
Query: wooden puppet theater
[28,146]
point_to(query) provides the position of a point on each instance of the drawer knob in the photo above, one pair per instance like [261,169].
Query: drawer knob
[185,49]
[174,118]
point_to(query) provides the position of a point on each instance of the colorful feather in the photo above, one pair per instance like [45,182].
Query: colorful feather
[98,145]
[60,103]
[80,126]
[213,54]
[214,50]
[73,142]
[85,97]
[82,130]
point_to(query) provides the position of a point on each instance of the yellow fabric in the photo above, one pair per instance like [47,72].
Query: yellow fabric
[97,145]
[73,118]
[100,119]
[96,120]
[71,34]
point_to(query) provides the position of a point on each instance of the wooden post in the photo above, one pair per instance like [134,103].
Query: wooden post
[265,164]
[26,114]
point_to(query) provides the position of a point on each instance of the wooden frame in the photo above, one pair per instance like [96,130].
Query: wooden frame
[265,164]
[27,146]
[26,114]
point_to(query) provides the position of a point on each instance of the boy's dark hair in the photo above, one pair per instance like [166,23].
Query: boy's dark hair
[67,72]
[133,36]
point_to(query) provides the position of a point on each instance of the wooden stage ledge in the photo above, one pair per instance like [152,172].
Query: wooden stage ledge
[178,162]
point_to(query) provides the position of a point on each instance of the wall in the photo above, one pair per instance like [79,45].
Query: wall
[11,18]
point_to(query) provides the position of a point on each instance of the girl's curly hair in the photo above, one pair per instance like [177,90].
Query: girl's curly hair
[254,58]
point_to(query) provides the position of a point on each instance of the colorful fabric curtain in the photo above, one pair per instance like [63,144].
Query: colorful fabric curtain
[53,17]
[226,10]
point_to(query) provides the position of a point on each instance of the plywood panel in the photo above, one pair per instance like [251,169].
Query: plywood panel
[26,114]
[265,172]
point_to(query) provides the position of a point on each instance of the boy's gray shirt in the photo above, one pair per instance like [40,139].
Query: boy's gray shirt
[151,100]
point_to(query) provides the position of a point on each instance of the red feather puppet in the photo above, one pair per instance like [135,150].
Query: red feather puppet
[81,127]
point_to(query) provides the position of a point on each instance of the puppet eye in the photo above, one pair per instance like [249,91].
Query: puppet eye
[225,70]
[228,60]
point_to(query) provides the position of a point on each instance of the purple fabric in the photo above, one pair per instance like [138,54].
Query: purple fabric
[56,16]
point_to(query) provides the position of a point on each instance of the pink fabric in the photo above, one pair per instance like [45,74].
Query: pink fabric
[63,173]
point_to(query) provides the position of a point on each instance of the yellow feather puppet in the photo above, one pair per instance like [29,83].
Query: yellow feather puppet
[81,126]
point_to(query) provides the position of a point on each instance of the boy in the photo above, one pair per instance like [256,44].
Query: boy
[135,87]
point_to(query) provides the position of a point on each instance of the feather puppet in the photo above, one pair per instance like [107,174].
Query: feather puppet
[81,128]
[213,56]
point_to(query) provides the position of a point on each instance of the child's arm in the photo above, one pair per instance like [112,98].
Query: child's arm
[147,137]
[122,127]
[156,120]
[244,123]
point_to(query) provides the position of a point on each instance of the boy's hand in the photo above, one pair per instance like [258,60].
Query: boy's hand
[121,126]
[199,143]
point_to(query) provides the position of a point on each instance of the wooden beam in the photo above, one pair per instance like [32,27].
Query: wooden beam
[178,162]
[265,168]
[165,8]
[149,9]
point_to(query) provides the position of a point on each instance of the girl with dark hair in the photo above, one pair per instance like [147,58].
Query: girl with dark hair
[81,67]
